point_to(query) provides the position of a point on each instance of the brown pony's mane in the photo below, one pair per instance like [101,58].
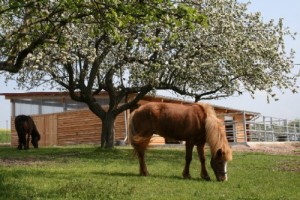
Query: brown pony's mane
[215,133]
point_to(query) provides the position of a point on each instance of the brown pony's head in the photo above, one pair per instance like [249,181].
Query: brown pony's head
[219,163]
[219,147]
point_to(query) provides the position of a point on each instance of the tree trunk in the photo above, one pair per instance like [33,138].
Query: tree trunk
[108,131]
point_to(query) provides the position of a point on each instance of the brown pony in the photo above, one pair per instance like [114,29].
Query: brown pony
[26,128]
[194,123]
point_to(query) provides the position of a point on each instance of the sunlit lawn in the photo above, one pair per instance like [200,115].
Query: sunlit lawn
[87,172]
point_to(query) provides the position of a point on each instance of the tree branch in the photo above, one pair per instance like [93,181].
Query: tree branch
[141,92]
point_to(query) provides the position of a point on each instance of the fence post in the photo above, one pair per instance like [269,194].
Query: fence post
[295,131]
[13,108]
[40,105]
[287,130]
[265,128]
[245,127]
[272,129]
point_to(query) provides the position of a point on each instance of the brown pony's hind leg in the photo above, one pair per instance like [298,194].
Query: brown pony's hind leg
[201,154]
[140,149]
[143,167]
[188,158]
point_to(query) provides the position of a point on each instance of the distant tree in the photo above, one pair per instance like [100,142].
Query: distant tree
[204,49]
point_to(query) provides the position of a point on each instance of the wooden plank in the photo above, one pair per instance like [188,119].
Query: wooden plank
[239,125]
[14,135]
[50,130]
[40,125]
[78,127]
[157,140]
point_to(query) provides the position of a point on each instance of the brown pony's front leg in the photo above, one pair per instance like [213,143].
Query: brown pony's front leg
[22,140]
[188,158]
[27,140]
[20,146]
[201,154]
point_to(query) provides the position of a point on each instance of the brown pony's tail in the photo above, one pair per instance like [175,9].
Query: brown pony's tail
[139,142]
[215,133]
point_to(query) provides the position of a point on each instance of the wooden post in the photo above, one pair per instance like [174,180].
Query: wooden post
[287,130]
[295,131]
[244,125]
[13,108]
[272,129]
[265,128]
[125,124]
[40,107]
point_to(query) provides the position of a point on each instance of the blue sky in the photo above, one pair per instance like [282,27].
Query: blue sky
[286,107]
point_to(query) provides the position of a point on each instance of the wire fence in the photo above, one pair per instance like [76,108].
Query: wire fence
[269,129]
[262,129]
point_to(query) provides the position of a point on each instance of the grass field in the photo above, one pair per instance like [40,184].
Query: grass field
[5,136]
[87,172]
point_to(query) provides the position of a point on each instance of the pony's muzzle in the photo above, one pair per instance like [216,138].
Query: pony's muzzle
[222,178]
[220,169]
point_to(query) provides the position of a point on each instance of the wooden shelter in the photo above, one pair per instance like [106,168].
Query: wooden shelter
[62,121]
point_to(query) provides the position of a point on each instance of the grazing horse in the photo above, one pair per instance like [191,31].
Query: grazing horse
[25,128]
[196,124]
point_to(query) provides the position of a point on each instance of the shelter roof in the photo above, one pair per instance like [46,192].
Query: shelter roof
[157,98]
[37,94]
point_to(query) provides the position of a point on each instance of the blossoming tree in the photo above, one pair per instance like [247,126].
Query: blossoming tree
[204,49]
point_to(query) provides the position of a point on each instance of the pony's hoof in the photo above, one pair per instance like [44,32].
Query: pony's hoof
[144,174]
[186,176]
[207,178]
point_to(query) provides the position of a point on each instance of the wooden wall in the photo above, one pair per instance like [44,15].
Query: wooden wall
[83,127]
[72,127]
[239,126]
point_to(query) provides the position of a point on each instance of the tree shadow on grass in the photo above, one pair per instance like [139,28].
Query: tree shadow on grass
[156,176]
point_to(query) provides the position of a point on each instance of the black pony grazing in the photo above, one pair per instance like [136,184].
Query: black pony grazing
[25,127]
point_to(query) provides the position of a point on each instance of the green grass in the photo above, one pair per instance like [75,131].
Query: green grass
[87,172]
[5,136]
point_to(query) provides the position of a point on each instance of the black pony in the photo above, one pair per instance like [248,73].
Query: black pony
[25,127]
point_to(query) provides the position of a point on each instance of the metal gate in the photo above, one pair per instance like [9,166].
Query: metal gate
[240,129]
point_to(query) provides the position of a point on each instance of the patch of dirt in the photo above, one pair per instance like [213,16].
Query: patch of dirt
[12,161]
[288,148]
[276,148]
[290,165]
